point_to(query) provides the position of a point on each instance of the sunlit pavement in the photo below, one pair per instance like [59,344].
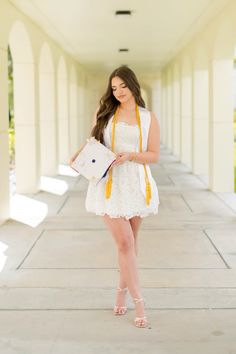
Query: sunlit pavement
[59,271]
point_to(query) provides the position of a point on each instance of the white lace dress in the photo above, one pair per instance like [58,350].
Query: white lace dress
[126,199]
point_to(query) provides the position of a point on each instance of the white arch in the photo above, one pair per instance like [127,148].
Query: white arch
[62,109]
[26,128]
[47,112]
[20,45]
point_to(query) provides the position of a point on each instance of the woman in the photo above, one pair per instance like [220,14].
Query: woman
[128,193]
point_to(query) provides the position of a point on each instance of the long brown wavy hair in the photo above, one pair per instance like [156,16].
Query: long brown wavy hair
[108,102]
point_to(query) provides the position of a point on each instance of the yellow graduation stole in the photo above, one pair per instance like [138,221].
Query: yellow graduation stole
[109,180]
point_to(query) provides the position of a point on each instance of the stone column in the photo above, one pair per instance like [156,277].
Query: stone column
[169,109]
[200,121]
[26,127]
[176,111]
[186,113]
[221,139]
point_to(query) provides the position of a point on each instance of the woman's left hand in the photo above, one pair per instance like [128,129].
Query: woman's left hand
[121,158]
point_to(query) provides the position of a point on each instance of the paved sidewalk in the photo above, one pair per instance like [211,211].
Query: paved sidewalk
[58,279]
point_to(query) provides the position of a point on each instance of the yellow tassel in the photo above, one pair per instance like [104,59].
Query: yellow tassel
[108,187]
[148,193]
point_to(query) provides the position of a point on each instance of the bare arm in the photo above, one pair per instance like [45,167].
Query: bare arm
[153,146]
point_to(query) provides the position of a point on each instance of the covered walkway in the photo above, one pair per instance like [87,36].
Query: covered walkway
[58,281]
[58,263]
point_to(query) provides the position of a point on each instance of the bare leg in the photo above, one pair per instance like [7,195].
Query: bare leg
[135,223]
[123,235]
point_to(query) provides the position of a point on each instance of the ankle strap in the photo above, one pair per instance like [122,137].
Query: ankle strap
[120,289]
[138,300]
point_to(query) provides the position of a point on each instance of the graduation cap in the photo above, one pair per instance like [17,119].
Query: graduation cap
[93,160]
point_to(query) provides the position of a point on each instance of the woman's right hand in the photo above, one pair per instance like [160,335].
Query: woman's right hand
[114,162]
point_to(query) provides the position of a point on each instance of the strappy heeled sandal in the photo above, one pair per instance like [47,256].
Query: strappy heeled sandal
[139,320]
[120,310]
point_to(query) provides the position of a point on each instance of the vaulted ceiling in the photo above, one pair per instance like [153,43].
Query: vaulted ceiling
[89,29]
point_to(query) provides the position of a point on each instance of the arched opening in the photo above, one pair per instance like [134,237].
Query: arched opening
[27,166]
[11,128]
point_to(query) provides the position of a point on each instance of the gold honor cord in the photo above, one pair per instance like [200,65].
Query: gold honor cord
[109,181]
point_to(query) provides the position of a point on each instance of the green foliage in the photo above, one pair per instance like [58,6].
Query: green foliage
[11,130]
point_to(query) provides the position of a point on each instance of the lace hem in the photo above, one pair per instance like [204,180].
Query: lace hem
[127,217]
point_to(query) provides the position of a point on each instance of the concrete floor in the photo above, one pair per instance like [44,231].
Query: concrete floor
[58,279]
